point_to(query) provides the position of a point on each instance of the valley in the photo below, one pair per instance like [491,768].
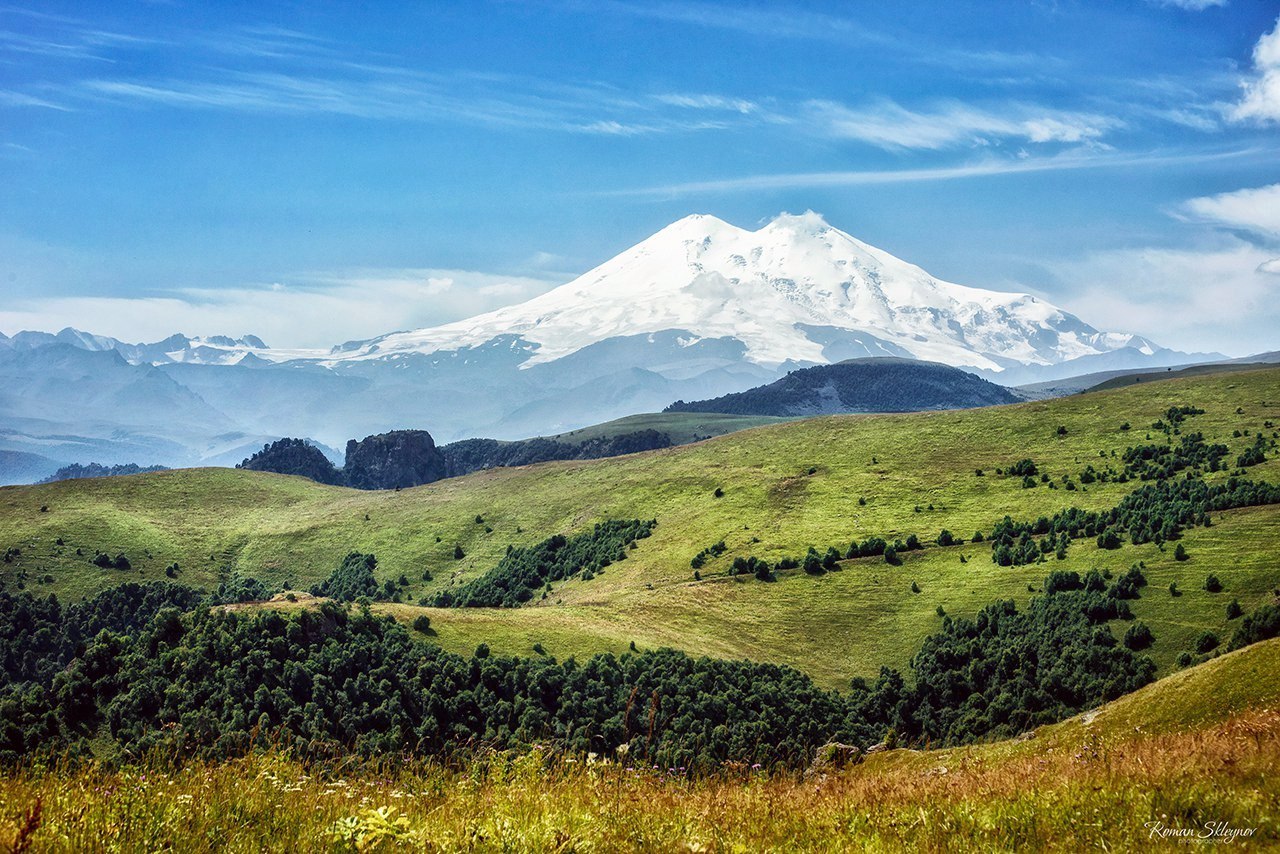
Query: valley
[915,472]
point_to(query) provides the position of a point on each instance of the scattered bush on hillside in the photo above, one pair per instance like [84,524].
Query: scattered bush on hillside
[1254,454]
[1206,642]
[239,589]
[1138,637]
[1155,513]
[1261,625]
[1023,468]
[525,570]
[352,579]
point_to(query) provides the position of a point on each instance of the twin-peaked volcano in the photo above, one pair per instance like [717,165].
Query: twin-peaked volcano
[697,311]
[796,290]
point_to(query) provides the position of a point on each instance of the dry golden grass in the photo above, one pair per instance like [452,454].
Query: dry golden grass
[1066,797]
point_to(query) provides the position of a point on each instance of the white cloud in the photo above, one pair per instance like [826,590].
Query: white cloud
[1192,5]
[317,312]
[707,102]
[1220,298]
[21,99]
[1020,163]
[1261,99]
[1256,210]
[889,125]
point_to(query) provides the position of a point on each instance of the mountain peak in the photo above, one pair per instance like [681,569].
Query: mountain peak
[795,290]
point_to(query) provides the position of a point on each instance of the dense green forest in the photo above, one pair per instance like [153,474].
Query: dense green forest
[155,666]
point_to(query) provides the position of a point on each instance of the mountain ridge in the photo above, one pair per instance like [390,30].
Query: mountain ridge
[881,384]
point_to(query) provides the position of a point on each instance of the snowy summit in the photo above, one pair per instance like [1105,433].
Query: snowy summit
[795,290]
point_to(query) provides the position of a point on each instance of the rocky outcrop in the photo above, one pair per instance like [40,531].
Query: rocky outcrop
[401,458]
[294,456]
[832,757]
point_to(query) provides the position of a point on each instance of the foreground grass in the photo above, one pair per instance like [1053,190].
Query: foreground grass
[1095,782]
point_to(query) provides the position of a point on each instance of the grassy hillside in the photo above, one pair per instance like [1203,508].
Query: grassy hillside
[1194,748]
[682,427]
[786,486]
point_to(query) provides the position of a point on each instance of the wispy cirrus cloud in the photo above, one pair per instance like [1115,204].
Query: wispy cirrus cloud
[1070,160]
[887,124]
[380,92]
[704,101]
[797,23]
[1190,5]
[22,99]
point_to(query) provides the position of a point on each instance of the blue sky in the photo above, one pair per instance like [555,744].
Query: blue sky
[314,173]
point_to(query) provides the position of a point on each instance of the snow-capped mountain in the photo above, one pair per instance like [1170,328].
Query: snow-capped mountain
[699,310]
[211,350]
[796,290]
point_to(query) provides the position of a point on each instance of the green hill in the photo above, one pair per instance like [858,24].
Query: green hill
[784,487]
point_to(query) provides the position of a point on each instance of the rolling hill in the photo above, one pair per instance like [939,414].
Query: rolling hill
[784,487]
[882,384]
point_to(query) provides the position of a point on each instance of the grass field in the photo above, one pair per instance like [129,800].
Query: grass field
[682,427]
[786,486]
[1194,753]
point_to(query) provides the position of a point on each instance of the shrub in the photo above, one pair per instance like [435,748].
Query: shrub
[941,612]
[352,579]
[1138,637]
[1180,553]
[1212,584]
[1023,468]
[946,538]
[1173,589]
[458,553]
[915,588]
[1061,580]
[1234,610]
[482,651]
[719,493]
[1109,539]
[1262,624]
[422,623]
[891,556]
[1206,642]
[1185,659]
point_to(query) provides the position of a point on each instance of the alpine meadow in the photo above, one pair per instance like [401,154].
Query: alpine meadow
[454,428]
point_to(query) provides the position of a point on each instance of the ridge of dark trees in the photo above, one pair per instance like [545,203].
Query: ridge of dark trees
[405,458]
